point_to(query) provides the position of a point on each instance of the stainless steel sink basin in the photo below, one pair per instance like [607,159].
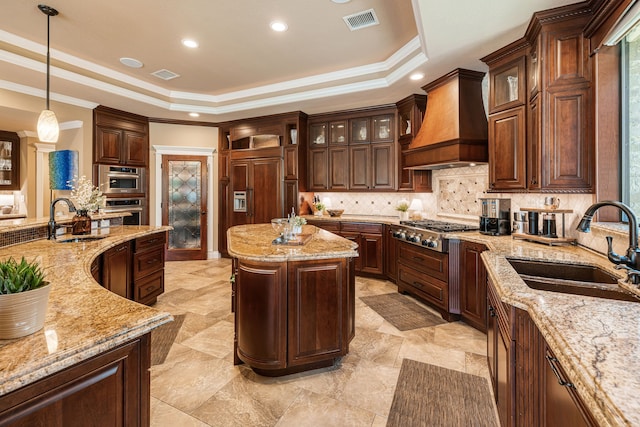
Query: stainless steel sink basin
[79,239]
[573,279]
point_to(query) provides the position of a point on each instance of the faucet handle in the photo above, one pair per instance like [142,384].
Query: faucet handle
[633,275]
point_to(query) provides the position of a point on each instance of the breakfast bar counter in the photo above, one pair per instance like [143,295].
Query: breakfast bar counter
[90,336]
[294,305]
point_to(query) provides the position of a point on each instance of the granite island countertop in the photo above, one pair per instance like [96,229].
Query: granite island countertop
[83,319]
[255,242]
[596,340]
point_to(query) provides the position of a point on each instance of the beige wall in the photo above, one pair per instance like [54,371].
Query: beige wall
[185,136]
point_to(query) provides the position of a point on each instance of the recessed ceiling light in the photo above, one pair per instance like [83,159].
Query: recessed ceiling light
[341,1]
[278,26]
[130,62]
[190,43]
[416,76]
[194,114]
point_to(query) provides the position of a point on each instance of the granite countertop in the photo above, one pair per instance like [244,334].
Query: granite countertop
[83,319]
[21,223]
[596,340]
[379,219]
[254,242]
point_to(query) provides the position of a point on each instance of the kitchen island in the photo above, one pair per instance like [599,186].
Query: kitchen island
[92,357]
[293,305]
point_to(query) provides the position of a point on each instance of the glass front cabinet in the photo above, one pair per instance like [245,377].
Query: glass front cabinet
[9,161]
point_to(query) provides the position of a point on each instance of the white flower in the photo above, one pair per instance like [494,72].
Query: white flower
[84,195]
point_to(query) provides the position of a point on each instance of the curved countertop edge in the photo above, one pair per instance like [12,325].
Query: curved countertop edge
[596,340]
[252,242]
[109,320]
[16,224]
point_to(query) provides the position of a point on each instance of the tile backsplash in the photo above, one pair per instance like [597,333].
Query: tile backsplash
[455,197]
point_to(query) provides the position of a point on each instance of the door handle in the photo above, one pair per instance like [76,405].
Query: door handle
[203,213]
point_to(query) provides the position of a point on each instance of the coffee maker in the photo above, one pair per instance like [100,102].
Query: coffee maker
[496,217]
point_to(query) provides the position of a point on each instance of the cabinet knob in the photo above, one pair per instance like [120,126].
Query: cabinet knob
[534,181]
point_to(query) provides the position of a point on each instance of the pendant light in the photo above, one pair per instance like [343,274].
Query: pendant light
[48,129]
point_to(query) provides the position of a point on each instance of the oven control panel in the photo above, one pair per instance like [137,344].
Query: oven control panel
[423,238]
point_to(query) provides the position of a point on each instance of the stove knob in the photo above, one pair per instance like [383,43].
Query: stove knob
[396,233]
[401,234]
[408,237]
[433,244]
[416,238]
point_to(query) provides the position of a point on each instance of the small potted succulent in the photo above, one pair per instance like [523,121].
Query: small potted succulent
[319,208]
[24,295]
[403,210]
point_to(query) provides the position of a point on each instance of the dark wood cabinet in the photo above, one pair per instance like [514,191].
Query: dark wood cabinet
[507,150]
[9,161]
[473,285]
[148,267]
[120,138]
[424,273]
[391,251]
[410,115]
[111,389]
[353,150]
[541,129]
[116,270]
[370,242]
[96,268]
[500,352]
[292,316]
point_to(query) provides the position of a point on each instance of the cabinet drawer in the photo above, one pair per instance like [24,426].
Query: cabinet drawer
[429,288]
[433,263]
[148,288]
[332,226]
[147,242]
[361,227]
[148,262]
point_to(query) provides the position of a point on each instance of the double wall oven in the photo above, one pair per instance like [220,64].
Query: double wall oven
[124,188]
[423,268]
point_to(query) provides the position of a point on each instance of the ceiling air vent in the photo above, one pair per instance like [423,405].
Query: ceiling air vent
[165,74]
[361,20]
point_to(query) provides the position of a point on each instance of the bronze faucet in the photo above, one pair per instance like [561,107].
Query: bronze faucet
[52,221]
[630,261]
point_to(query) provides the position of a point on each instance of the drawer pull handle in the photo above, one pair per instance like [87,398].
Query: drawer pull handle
[418,285]
[552,363]
[120,249]
[417,258]
[152,261]
[150,288]
[492,311]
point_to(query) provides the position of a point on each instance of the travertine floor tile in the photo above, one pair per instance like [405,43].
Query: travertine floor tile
[371,387]
[163,415]
[216,340]
[376,347]
[460,336]
[311,409]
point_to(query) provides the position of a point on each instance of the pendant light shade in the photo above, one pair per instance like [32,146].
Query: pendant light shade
[48,129]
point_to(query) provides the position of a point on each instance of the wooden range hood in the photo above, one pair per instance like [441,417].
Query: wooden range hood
[454,129]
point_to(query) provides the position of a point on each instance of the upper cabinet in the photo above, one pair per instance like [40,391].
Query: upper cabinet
[120,138]
[410,114]
[353,150]
[9,161]
[541,132]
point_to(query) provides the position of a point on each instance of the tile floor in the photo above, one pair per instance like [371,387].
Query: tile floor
[198,385]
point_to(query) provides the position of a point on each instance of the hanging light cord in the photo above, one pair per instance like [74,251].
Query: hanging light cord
[49,11]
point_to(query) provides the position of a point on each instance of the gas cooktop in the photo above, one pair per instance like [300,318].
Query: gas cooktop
[441,226]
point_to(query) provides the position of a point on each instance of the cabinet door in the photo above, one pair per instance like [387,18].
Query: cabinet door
[318,168]
[317,311]
[291,162]
[339,168]
[567,57]
[354,237]
[568,149]
[291,196]
[9,161]
[507,150]
[473,286]
[359,131]
[318,134]
[382,128]
[116,270]
[391,258]
[503,377]
[359,164]
[507,86]
[266,190]
[108,145]
[561,404]
[383,166]
[338,132]
[371,253]
[136,149]
[261,314]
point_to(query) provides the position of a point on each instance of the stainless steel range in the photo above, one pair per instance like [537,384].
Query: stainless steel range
[429,233]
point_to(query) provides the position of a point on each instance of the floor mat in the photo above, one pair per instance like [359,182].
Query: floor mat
[162,339]
[401,311]
[428,395]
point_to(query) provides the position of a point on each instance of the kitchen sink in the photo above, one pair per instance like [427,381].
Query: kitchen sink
[573,279]
[80,239]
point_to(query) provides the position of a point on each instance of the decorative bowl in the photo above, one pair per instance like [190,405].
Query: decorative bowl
[278,224]
[335,212]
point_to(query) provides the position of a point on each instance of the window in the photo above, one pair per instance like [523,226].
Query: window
[631,118]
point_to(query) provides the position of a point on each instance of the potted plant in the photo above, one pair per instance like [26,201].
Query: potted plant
[319,208]
[87,199]
[403,209]
[24,295]
[298,222]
